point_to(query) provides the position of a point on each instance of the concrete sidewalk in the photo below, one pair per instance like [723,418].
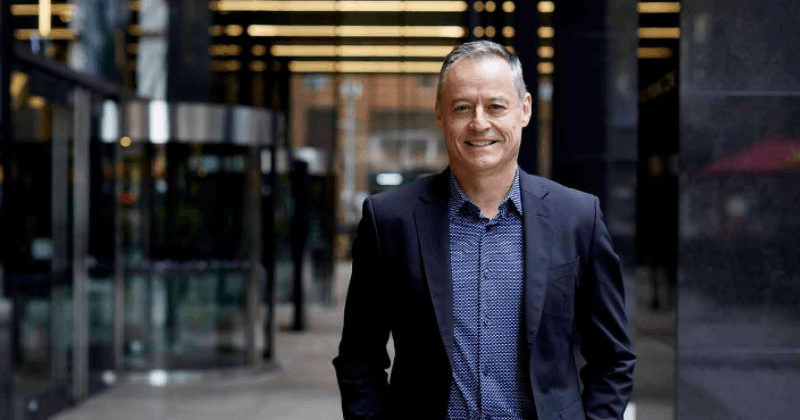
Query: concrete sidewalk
[303,386]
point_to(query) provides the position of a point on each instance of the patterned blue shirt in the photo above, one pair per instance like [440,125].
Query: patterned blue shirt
[490,375]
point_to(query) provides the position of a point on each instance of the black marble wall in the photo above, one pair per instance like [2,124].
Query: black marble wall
[595,109]
[738,313]
[189,76]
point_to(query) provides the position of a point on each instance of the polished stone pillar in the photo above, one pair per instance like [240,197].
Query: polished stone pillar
[595,110]
[738,313]
[188,58]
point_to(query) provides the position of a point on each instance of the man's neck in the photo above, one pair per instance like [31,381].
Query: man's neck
[488,190]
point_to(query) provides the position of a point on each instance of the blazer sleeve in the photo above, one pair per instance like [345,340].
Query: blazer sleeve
[362,360]
[602,323]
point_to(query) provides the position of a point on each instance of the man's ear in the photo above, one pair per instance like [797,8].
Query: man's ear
[526,109]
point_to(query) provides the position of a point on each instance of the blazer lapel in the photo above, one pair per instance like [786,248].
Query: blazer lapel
[433,234]
[538,234]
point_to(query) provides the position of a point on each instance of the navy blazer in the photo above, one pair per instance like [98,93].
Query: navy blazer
[401,284]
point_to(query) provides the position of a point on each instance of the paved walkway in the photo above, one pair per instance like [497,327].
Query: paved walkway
[304,386]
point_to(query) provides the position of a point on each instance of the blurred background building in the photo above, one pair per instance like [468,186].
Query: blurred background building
[173,172]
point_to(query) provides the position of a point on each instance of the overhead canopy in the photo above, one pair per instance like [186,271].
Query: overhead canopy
[779,155]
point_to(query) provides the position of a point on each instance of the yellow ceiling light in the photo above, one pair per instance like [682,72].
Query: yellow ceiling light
[45,17]
[545,68]
[37,102]
[33,9]
[659,7]
[490,32]
[133,48]
[546,6]
[63,34]
[337,6]
[364,67]
[545,52]
[356,31]
[508,31]
[224,49]
[434,51]
[546,32]
[18,81]
[134,5]
[258,50]
[654,52]
[215,30]
[509,6]
[659,33]
[125,141]
[478,6]
[225,65]
[234,30]
[258,66]
[304,50]
[134,30]
[490,6]
[477,31]
[510,48]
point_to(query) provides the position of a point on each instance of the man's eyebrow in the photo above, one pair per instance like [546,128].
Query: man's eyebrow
[498,99]
[461,99]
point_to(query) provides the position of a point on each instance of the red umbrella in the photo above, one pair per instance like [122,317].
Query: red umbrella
[781,154]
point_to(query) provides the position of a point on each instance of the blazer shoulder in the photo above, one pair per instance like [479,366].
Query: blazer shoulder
[403,199]
[563,199]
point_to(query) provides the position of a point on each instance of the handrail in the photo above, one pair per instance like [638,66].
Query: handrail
[95,84]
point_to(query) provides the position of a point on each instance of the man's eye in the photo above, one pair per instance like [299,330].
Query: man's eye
[462,108]
[497,107]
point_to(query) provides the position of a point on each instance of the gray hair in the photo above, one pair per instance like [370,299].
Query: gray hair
[478,50]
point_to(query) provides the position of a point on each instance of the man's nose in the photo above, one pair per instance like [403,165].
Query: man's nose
[479,121]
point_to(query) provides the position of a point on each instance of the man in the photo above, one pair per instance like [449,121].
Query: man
[480,274]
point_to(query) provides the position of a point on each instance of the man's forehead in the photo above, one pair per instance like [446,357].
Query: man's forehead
[487,61]
[491,76]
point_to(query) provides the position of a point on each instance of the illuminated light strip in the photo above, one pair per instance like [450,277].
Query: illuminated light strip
[357,31]
[654,52]
[360,51]
[546,6]
[545,68]
[657,33]
[546,32]
[45,17]
[659,7]
[364,67]
[545,52]
[55,33]
[33,9]
[18,81]
[338,6]
[224,49]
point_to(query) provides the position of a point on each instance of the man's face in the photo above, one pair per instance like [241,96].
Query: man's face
[481,116]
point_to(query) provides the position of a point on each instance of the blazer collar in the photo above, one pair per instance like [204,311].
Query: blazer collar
[538,233]
[433,234]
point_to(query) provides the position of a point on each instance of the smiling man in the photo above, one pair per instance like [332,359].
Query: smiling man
[481,274]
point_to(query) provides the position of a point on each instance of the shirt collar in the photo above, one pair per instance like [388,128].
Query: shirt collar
[458,198]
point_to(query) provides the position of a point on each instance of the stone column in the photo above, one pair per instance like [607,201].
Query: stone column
[738,312]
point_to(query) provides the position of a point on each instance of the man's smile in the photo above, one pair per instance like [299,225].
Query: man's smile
[482,143]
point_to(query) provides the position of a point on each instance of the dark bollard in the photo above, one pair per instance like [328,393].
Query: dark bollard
[299,232]
[6,359]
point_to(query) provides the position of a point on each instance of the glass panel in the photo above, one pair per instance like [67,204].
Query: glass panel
[185,252]
[38,252]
